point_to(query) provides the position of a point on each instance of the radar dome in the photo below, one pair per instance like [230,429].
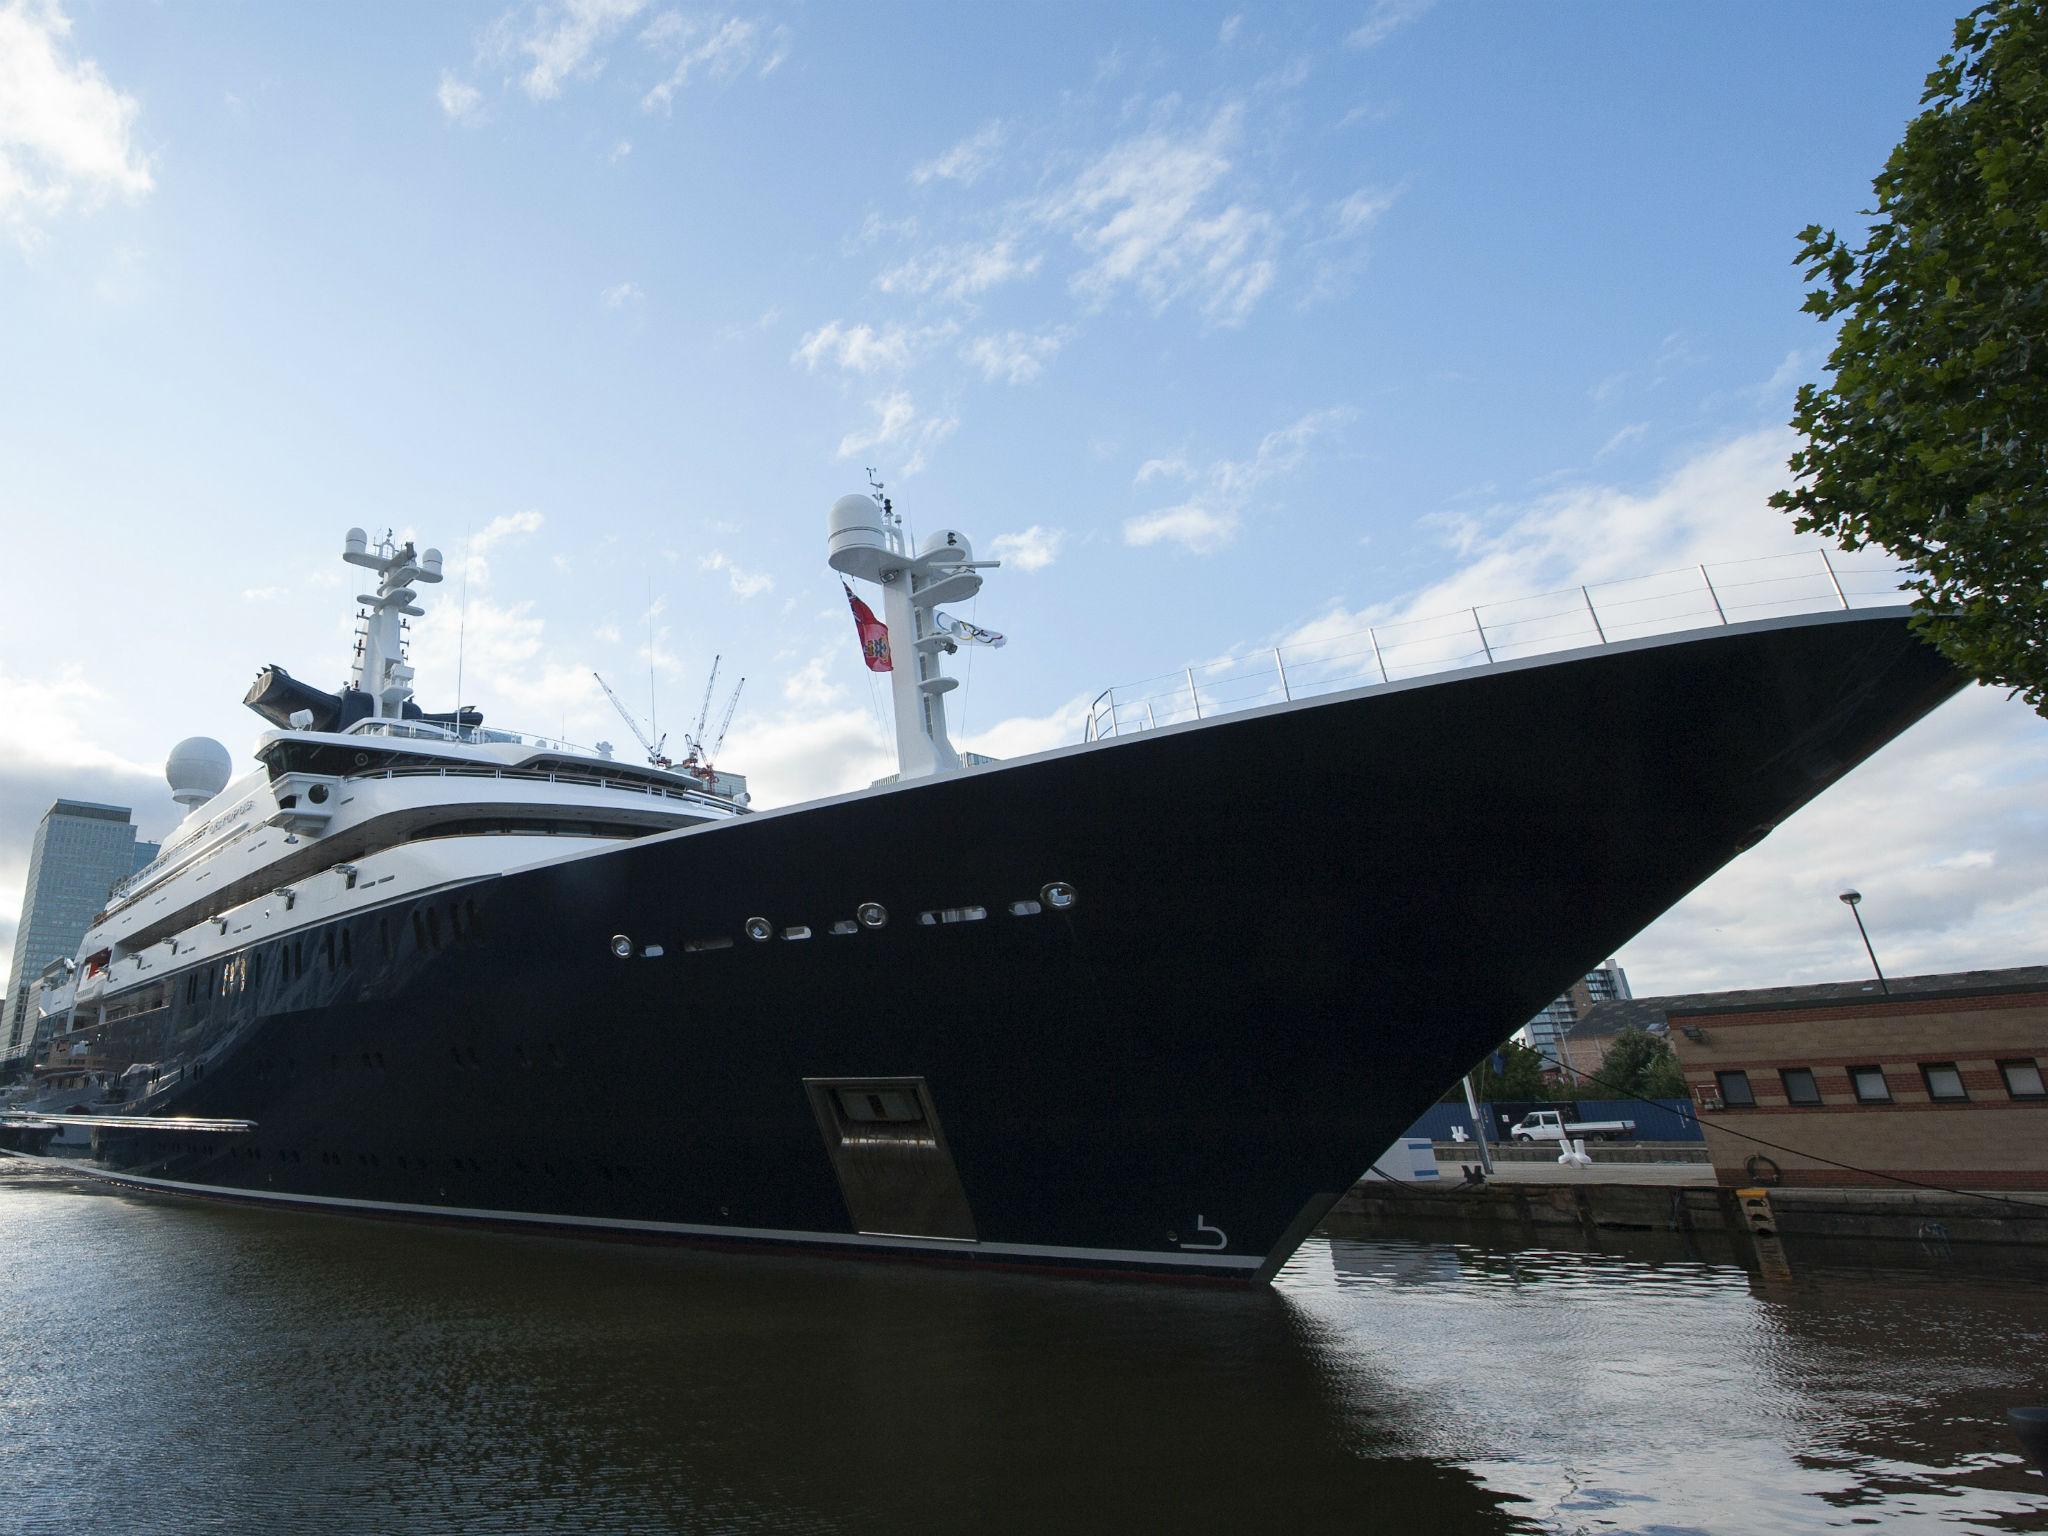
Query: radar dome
[198,770]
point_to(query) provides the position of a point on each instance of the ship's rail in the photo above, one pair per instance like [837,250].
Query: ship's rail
[705,798]
[468,735]
[1595,614]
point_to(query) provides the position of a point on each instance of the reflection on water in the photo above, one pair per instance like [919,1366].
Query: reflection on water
[172,1366]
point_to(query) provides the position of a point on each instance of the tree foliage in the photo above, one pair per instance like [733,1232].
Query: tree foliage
[1641,1064]
[1519,1076]
[1929,440]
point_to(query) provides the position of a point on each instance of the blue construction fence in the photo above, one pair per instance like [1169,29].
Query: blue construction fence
[1656,1120]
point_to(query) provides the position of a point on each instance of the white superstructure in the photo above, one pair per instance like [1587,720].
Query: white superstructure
[383,807]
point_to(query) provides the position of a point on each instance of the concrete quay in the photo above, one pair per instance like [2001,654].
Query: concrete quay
[1680,1198]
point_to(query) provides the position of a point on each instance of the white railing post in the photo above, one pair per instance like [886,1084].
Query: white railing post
[1719,612]
[1192,694]
[1281,667]
[1377,659]
[1833,580]
[1482,635]
[1593,614]
[1110,694]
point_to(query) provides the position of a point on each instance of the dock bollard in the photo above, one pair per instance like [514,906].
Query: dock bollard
[2030,1428]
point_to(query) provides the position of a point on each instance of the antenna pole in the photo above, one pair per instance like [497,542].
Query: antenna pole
[462,624]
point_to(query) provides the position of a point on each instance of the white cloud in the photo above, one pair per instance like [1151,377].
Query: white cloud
[1362,209]
[1975,772]
[812,684]
[66,134]
[780,41]
[619,295]
[744,583]
[1151,214]
[898,425]
[1622,438]
[808,753]
[460,101]
[1198,529]
[1209,519]
[620,151]
[1383,19]
[1032,550]
[264,594]
[863,349]
[1014,357]
[561,40]
[1022,735]
[965,161]
[1154,469]
[52,753]
[960,271]
[1227,33]
[719,49]
[506,526]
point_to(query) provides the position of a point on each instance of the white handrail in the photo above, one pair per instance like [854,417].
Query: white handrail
[1597,613]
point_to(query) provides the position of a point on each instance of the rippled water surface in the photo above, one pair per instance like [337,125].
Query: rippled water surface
[167,1366]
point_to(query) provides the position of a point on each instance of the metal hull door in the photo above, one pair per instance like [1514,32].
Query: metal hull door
[891,1157]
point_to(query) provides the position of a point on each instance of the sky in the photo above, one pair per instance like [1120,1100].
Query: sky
[1221,327]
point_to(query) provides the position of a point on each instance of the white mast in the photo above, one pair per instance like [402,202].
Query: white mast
[864,539]
[381,671]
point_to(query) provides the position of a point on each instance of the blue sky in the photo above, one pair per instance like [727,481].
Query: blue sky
[1219,324]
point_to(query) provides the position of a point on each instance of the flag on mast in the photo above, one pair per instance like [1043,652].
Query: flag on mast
[964,632]
[874,634]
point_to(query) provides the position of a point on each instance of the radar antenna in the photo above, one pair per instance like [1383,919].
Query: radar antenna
[653,748]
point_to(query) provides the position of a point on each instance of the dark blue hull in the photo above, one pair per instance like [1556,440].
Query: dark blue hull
[1292,929]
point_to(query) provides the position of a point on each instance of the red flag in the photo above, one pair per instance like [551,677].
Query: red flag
[874,634]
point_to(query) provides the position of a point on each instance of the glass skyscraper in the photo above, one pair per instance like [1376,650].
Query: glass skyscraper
[81,851]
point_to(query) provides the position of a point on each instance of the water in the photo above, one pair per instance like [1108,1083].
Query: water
[170,1366]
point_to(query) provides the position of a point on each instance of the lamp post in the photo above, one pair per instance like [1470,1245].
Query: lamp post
[1852,900]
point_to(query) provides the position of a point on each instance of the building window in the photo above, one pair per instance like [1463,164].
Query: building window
[1944,1082]
[2023,1079]
[1735,1090]
[1800,1088]
[1870,1086]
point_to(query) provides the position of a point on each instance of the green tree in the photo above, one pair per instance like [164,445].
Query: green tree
[1929,439]
[1520,1076]
[1638,1063]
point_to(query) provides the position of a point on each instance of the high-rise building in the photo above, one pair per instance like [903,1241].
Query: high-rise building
[1543,1033]
[81,851]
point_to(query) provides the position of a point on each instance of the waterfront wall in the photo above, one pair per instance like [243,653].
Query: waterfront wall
[1377,1208]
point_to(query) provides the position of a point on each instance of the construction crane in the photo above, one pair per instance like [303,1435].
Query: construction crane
[653,748]
[701,753]
[724,725]
[694,739]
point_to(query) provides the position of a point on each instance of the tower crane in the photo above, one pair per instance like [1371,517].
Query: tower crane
[724,724]
[653,748]
[694,739]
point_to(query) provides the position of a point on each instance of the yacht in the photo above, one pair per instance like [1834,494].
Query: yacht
[1147,1003]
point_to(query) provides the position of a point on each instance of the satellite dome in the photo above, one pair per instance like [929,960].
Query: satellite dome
[198,770]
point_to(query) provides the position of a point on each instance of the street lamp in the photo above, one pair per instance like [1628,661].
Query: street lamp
[1853,899]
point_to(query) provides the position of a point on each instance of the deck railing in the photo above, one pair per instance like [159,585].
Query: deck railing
[1598,613]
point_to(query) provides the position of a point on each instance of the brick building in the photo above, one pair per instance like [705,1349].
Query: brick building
[1939,1081]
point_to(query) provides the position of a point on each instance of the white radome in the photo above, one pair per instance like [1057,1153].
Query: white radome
[197,770]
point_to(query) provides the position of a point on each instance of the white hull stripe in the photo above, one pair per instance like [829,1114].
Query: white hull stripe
[1039,1251]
